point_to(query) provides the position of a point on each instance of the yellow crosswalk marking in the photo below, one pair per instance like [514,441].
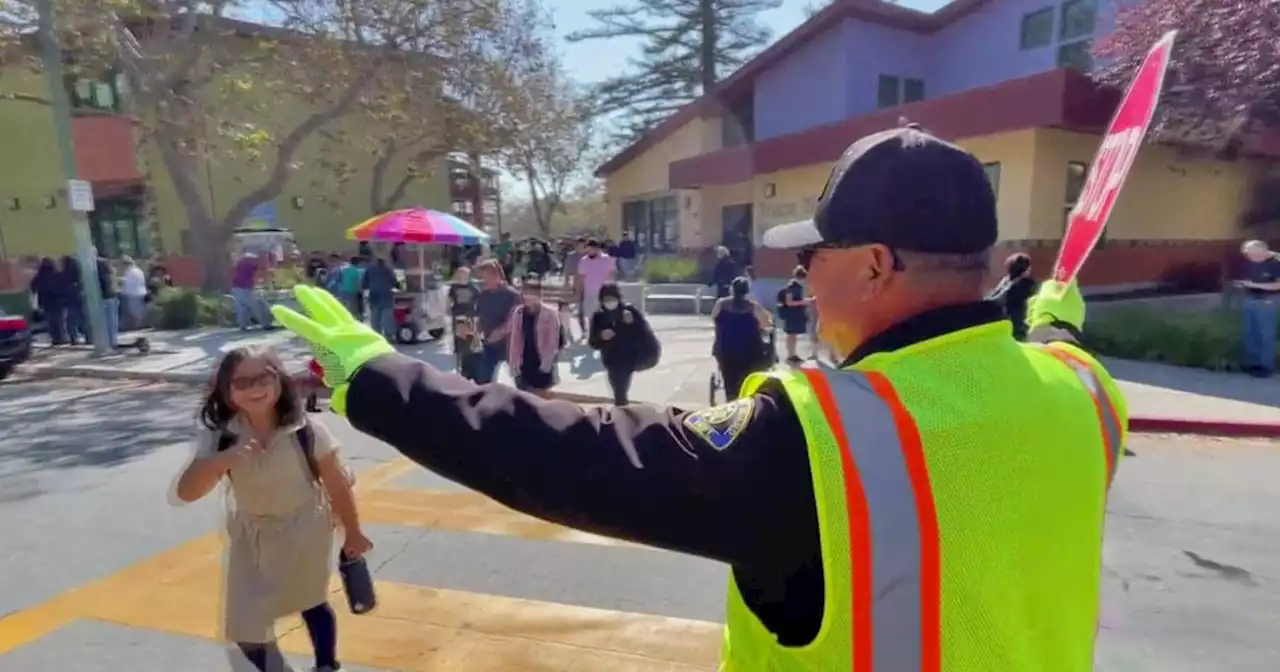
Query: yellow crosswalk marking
[415,628]
[464,511]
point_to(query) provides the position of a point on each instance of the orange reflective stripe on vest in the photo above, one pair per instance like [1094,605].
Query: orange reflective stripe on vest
[1107,418]
[896,573]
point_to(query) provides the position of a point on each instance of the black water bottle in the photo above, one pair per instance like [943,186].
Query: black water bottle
[357,582]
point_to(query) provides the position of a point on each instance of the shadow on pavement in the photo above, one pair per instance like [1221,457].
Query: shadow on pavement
[1236,386]
[91,428]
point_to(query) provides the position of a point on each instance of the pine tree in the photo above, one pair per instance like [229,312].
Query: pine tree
[687,46]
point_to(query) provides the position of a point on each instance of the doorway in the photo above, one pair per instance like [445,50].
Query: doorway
[736,223]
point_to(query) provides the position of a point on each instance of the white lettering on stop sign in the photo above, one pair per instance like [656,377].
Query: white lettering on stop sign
[1114,158]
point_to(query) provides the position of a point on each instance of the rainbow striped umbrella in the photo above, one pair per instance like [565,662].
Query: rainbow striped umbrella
[417,225]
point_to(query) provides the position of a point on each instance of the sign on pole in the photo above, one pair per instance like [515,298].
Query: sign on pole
[1115,157]
[80,194]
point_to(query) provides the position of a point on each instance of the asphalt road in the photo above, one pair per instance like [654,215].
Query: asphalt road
[99,572]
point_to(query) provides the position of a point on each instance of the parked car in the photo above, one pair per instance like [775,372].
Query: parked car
[15,342]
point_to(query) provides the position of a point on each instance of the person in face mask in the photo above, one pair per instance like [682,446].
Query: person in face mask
[536,340]
[626,342]
[594,269]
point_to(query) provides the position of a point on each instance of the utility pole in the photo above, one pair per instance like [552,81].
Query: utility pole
[51,61]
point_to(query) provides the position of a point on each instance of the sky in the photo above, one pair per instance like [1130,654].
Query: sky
[593,61]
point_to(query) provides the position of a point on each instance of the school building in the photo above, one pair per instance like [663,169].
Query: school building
[1002,78]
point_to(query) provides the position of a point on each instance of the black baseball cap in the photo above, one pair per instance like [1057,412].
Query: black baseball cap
[902,188]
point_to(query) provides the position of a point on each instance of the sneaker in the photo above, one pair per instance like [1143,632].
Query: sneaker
[326,668]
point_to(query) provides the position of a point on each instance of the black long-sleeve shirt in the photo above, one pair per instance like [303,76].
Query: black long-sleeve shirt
[638,473]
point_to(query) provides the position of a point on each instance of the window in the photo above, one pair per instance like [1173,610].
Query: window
[738,126]
[96,94]
[653,223]
[664,225]
[117,230]
[888,91]
[993,176]
[1076,55]
[912,90]
[1037,29]
[1078,18]
[1077,171]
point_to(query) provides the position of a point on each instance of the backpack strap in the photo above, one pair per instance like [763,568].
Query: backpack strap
[306,439]
[304,435]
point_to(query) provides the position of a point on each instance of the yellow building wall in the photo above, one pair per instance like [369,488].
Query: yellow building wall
[30,170]
[646,175]
[1165,197]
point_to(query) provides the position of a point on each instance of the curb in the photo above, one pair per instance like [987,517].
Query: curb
[1139,424]
[1228,428]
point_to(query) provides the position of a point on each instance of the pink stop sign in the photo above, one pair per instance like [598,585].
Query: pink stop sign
[1115,157]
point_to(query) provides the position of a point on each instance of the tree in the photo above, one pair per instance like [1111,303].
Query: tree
[688,45]
[1224,80]
[475,110]
[206,88]
[556,145]
[582,211]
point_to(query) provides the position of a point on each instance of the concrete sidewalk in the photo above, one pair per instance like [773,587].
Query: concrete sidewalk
[681,379]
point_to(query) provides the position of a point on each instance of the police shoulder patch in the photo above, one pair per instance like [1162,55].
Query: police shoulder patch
[721,425]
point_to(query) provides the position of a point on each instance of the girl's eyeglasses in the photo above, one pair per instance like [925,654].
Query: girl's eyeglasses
[244,383]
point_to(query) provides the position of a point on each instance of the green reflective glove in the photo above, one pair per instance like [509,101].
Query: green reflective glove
[1056,302]
[341,343]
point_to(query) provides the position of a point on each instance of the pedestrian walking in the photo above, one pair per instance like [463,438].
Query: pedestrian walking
[288,484]
[793,311]
[625,340]
[379,282]
[536,340]
[133,294]
[71,288]
[1262,289]
[1014,292]
[738,348]
[936,503]
[50,299]
[494,307]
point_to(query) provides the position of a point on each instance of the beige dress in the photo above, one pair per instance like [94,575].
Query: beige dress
[281,535]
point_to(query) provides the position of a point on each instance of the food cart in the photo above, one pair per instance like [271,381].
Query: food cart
[424,305]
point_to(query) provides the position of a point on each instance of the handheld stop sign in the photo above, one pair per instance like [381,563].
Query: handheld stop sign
[1115,157]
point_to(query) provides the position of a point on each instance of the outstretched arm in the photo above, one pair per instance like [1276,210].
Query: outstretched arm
[640,473]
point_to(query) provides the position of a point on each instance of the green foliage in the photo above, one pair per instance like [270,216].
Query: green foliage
[1208,340]
[671,269]
[183,308]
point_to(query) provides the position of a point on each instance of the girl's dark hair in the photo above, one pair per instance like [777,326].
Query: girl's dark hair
[799,273]
[610,290]
[218,411]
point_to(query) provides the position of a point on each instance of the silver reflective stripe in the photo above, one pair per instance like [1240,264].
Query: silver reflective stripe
[895,526]
[1110,423]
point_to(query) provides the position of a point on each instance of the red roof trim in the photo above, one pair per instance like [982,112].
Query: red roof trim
[870,11]
[105,149]
[1058,98]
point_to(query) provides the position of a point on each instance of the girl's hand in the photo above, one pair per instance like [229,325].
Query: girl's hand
[239,454]
[356,544]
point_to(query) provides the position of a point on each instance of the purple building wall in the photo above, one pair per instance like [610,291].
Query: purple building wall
[835,77]
[806,90]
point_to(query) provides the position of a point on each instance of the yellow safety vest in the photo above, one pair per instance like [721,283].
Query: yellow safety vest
[961,486]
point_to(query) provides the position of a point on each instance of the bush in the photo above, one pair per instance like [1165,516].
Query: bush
[180,308]
[671,269]
[1209,340]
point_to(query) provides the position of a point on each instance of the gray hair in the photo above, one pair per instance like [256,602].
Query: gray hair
[948,263]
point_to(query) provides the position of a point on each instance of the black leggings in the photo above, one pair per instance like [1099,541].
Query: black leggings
[734,372]
[620,383]
[322,626]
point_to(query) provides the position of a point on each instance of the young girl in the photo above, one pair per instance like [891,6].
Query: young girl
[536,340]
[286,483]
[467,348]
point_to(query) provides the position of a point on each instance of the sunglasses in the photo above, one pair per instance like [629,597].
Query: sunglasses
[806,255]
[245,383]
